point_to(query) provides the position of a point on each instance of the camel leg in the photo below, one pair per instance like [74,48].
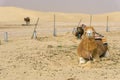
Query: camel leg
[107,54]
[82,60]
[79,36]
[96,58]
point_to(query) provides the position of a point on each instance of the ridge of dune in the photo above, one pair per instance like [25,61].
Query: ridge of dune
[17,14]
[113,17]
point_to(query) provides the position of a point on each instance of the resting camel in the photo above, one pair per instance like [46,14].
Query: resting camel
[27,20]
[89,48]
[78,32]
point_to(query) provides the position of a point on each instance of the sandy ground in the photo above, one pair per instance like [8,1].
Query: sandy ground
[53,58]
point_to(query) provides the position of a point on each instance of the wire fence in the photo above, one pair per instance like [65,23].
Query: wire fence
[45,28]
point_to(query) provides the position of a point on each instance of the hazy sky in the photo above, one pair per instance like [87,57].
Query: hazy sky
[81,6]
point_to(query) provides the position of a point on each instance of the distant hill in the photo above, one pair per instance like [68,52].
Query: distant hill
[13,14]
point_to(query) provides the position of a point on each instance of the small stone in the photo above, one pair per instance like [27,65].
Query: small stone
[49,46]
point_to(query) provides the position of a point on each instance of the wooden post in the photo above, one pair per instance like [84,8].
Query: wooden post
[79,22]
[6,37]
[34,34]
[90,20]
[107,27]
[54,32]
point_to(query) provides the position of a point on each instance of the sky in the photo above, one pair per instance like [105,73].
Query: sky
[72,6]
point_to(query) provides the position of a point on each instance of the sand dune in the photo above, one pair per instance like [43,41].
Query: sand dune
[17,14]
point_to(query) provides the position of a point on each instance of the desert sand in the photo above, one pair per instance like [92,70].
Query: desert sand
[54,58]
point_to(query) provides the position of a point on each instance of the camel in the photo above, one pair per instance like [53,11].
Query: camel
[78,32]
[27,20]
[91,48]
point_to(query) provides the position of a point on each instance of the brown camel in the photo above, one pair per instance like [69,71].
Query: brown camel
[27,20]
[89,48]
[78,32]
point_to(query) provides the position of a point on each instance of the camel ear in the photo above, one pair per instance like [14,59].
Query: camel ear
[93,29]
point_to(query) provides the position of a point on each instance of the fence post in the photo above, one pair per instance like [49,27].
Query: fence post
[90,20]
[54,32]
[107,27]
[6,37]
[34,34]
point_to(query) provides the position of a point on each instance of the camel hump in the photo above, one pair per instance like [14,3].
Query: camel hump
[104,40]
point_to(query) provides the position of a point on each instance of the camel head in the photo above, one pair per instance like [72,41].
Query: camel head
[89,32]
